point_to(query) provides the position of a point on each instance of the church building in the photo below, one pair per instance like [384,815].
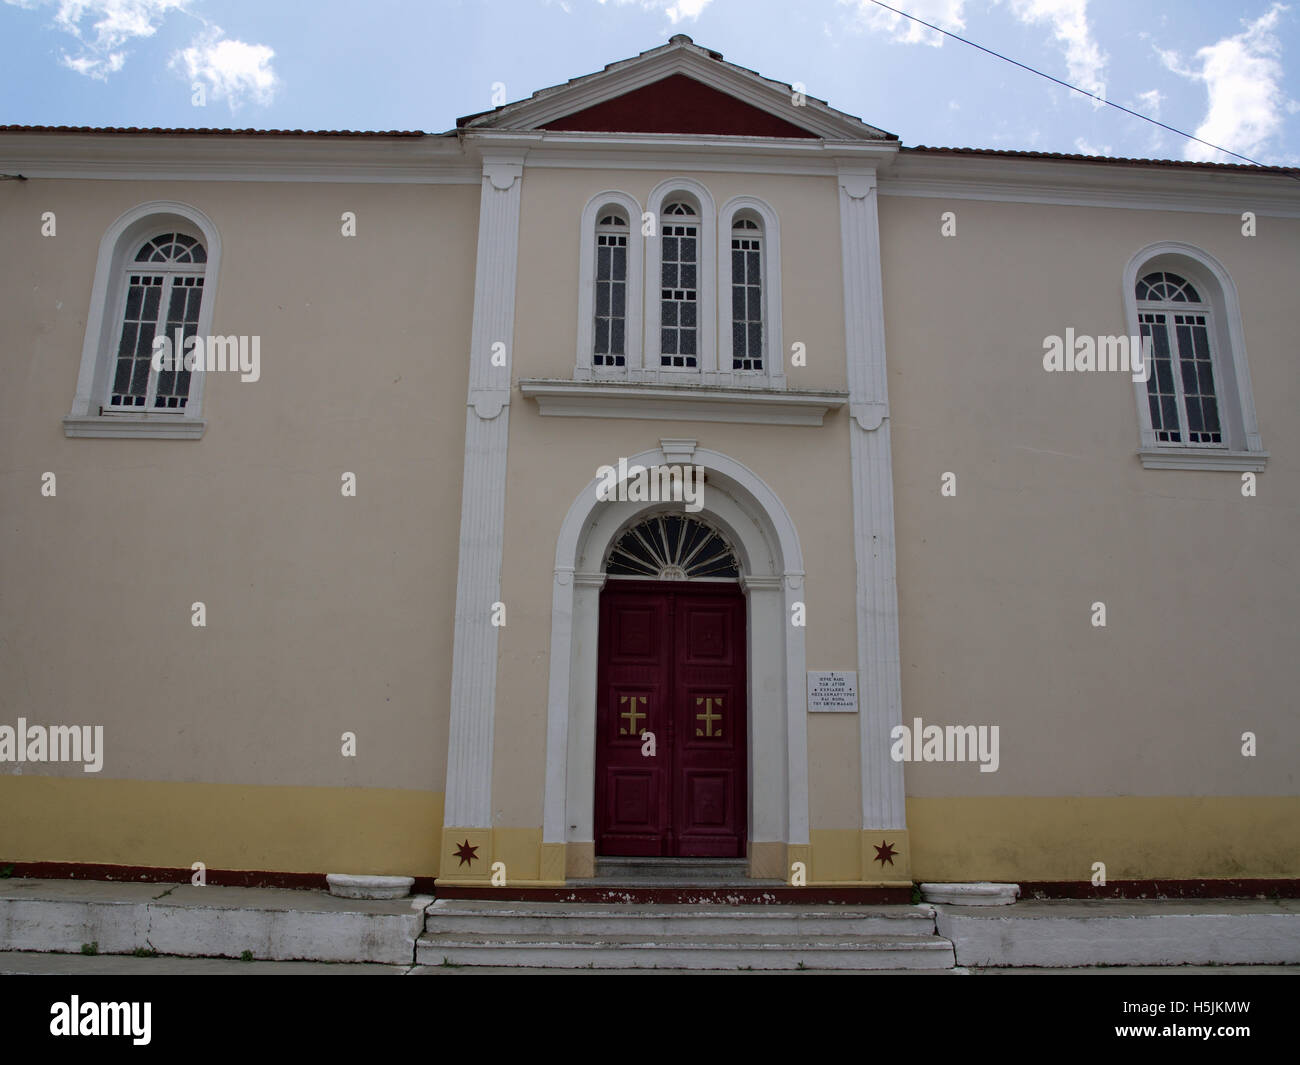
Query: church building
[667,465]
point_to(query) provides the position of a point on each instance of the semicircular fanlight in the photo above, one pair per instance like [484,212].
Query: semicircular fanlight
[672,547]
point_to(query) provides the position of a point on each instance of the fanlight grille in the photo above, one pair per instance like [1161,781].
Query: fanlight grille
[1165,287]
[172,248]
[671,547]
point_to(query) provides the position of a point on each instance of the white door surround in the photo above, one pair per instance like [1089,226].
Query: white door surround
[760,530]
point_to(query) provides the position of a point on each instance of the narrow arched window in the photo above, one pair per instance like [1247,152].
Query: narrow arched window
[746,295]
[1176,330]
[164,293]
[610,345]
[679,286]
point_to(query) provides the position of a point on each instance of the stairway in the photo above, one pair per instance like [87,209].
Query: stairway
[573,935]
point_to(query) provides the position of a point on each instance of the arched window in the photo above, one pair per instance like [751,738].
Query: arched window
[1195,410]
[672,547]
[610,288]
[749,280]
[164,294]
[610,346]
[746,294]
[681,285]
[1181,393]
[679,297]
[155,277]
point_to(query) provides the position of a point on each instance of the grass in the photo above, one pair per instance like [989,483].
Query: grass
[246,956]
[90,948]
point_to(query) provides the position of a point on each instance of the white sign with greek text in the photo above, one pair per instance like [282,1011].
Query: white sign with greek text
[834,693]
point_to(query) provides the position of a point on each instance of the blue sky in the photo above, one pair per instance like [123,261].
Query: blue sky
[1225,71]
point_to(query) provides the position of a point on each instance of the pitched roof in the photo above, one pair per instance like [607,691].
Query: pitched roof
[206,131]
[1006,153]
[626,96]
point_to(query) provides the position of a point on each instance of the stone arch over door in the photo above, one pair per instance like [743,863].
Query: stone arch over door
[760,530]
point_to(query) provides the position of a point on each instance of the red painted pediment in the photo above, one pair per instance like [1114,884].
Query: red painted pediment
[679,104]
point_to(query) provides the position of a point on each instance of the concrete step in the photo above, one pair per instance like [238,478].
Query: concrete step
[686,951]
[561,918]
[580,935]
[676,872]
[182,919]
[673,868]
[1064,932]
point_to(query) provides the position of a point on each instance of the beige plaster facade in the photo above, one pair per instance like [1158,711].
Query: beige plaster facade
[330,614]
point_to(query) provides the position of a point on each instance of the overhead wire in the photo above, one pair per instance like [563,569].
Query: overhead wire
[1092,96]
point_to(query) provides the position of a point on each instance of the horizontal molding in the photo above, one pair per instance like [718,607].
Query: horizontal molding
[1167,458]
[141,428]
[583,399]
[1083,184]
[118,157]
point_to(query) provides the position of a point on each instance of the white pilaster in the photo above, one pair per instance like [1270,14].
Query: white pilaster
[879,677]
[482,522]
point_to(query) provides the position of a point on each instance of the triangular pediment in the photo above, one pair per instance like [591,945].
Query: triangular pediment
[682,89]
[678,104]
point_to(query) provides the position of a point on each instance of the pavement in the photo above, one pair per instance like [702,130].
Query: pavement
[45,925]
[28,963]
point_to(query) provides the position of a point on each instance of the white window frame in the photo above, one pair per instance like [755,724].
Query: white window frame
[1168,309]
[90,415]
[706,371]
[1242,448]
[773,373]
[171,273]
[596,207]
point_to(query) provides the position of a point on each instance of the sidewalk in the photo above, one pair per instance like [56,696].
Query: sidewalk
[44,925]
[22,963]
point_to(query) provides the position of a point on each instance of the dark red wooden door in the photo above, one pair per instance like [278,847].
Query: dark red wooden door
[672,663]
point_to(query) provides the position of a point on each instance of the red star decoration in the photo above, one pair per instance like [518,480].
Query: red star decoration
[885,853]
[466,853]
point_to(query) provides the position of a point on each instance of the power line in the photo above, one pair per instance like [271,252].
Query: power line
[1075,88]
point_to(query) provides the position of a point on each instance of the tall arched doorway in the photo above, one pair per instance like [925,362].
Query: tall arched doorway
[671,708]
[759,531]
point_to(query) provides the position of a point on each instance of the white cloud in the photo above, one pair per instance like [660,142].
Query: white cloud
[1068,20]
[676,10]
[1084,59]
[945,13]
[1148,103]
[1243,80]
[229,70]
[1083,147]
[102,27]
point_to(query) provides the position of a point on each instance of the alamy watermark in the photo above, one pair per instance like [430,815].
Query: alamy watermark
[946,743]
[239,354]
[655,484]
[1081,354]
[53,743]
[75,1017]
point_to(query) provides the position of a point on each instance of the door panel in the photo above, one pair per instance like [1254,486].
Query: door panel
[672,661]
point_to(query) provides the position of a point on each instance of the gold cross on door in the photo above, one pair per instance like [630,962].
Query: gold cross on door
[630,716]
[708,717]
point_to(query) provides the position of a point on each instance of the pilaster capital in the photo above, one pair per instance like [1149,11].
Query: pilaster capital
[857,184]
[502,172]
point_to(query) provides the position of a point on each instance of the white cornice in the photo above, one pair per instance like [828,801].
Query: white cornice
[684,152]
[581,399]
[1083,184]
[209,157]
